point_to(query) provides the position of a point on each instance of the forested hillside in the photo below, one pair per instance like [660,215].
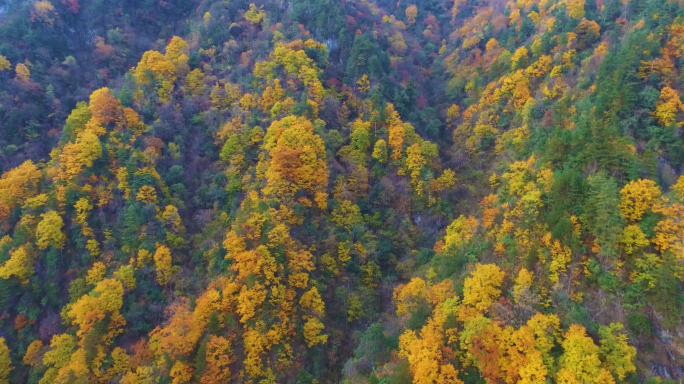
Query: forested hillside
[341,191]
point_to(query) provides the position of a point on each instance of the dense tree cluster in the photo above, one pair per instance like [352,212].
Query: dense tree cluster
[318,191]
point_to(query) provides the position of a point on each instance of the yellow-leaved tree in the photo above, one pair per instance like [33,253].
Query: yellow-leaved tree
[637,197]
[580,361]
[32,355]
[667,106]
[17,185]
[254,15]
[155,64]
[481,289]
[380,151]
[410,296]
[576,8]
[297,161]
[4,63]
[5,362]
[458,233]
[162,263]
[427,355]
[100,305]
[617,355]
[219,356]
[18,265]
[23,73]
[177,53]
[411,14]
[49,231]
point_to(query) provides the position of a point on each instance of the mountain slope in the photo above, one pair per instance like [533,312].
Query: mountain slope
[355,191]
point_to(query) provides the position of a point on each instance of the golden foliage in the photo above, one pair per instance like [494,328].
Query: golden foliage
[637,197]
[49,231]
[19,265]
[32,355]
[254,15]
[17,185]
[4,63]
[104,107]
[155,64]
[96,273]
[5,362]
[179,336]
[162,263]
[411,14]
[410,296]
[23,73]
[181,372]
[147,195]
[459,232]
[103,302]
[380,151]
[219,356]
[312,332]
[481,289]
[667,106]
[580,362]
[427,355]
[297,159]
[575,8]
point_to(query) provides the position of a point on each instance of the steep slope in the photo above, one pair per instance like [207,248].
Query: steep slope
[346,191]
[68,49]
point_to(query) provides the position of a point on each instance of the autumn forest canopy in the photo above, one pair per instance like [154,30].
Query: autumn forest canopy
[341,191]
